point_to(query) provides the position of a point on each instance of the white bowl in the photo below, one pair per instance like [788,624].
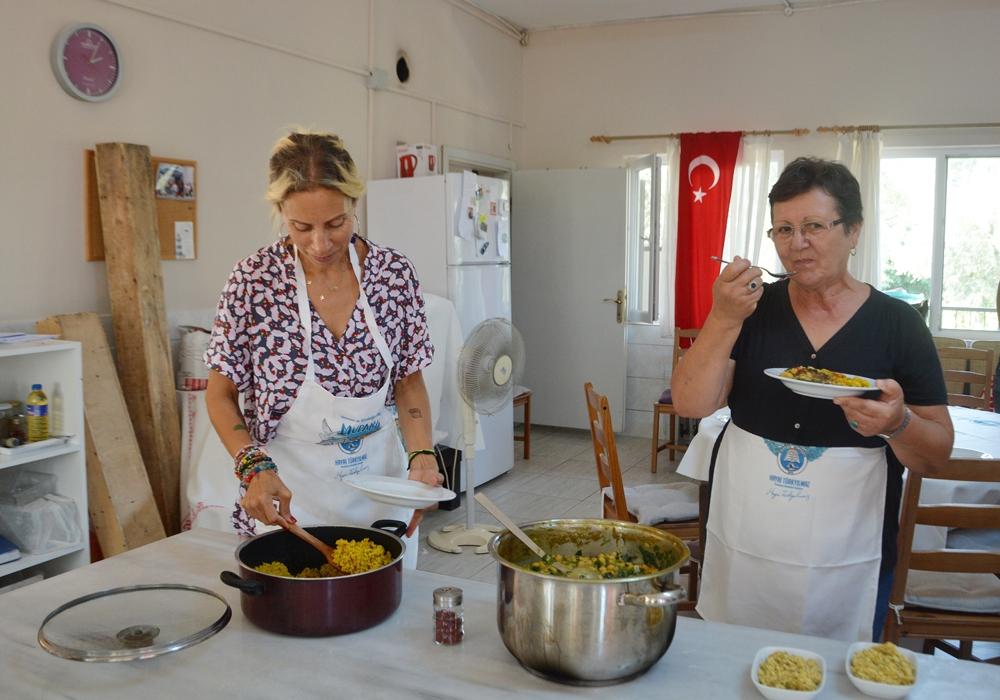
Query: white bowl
[881,690]
[781,693]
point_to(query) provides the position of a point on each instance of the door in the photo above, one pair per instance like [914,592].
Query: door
[568,259]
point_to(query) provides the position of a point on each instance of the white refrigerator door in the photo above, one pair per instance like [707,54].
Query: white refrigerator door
[569,256]
[408,214]
[488,243]
[480,292]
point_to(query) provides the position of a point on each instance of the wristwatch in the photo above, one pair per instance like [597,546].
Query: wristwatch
[902,426]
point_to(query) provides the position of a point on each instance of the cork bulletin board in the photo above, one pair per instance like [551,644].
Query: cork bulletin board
[176,191]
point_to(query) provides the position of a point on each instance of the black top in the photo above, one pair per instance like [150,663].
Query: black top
[886,338]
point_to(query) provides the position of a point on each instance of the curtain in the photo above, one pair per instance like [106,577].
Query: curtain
[861,151]
[749,212]
[669,184]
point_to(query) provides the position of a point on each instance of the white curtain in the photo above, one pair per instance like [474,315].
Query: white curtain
[861,151]
[749,213]
[669,188]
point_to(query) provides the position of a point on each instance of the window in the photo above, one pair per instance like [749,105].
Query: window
[939,235]
[647,187]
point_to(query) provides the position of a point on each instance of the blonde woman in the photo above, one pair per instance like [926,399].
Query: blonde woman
[321,333]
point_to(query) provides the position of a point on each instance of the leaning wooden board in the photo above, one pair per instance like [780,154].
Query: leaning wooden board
[122,509]
[135,288]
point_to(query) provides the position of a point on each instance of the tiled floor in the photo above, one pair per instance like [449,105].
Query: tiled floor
[559,481]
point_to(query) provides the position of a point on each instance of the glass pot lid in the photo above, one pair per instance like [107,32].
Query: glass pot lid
[133,622]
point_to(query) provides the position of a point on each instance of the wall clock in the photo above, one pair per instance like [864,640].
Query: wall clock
[87,62]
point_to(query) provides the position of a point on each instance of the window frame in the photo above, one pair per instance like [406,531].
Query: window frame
[652,162]
[941,154]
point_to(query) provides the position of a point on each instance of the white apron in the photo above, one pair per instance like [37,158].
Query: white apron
[310,447]
[794,537]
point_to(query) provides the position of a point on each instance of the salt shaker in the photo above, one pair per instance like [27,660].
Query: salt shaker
[448,618]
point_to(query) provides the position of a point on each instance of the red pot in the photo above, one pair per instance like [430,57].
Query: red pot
[318,607]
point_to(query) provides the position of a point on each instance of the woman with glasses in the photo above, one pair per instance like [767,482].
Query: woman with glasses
[321,333]
[801,534]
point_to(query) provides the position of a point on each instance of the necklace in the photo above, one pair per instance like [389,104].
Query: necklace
[333,288]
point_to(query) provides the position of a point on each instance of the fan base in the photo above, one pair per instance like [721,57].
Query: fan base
[452,538]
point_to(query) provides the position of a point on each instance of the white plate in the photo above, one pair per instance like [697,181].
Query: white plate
[398,492]
[817,390]
[881,690]
[781,693]
[966,453]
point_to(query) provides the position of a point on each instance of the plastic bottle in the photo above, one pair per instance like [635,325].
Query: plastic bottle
[56,412]
[37,406]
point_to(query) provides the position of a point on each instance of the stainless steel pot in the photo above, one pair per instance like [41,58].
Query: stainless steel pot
[588,632]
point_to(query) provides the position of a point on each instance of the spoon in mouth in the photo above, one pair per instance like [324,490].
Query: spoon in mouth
[775,275]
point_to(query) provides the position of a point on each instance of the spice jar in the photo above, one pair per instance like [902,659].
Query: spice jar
[448,619]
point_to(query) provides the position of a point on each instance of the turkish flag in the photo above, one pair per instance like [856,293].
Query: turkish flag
[706,181]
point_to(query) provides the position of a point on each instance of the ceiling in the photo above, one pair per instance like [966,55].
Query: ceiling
[535,15]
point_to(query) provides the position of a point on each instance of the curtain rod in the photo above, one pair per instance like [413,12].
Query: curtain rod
[875,127]
[642,137]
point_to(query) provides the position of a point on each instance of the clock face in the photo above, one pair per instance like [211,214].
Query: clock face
[86,61]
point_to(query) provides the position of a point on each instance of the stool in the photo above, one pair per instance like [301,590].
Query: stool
[522,397]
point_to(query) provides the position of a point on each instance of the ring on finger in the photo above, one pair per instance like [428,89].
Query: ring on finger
[854,424]
[752,285]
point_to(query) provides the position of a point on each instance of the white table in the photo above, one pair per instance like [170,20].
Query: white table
[975,430]
[396,659]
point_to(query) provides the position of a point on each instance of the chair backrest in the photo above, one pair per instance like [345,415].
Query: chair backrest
[609,472]
[968,374]
[683,338]
[970,516]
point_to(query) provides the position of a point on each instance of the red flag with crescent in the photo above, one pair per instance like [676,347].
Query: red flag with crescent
[706,182]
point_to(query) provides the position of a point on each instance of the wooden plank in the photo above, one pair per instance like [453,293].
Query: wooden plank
[122,509]
[135,288]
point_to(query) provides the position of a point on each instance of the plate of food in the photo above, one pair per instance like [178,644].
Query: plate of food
[881,670]
[397,491]
[787,673]
[821,383]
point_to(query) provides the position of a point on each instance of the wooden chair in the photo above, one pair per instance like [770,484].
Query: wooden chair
[934,625]
[993,345]
[665,406]
[614,507]
[968,374]
[522,397]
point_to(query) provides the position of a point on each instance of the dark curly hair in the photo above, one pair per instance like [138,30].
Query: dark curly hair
[805,174]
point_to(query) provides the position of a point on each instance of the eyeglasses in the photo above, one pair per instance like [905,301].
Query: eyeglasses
[809,229]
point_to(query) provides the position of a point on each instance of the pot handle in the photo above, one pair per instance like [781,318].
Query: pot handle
[670,596]
[396,527]
[248,587]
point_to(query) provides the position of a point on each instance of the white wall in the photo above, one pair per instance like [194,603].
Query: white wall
[217,82]
[891,62]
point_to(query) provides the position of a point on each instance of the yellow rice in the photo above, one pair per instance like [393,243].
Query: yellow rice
[883,664]
[790,672]
[349,557]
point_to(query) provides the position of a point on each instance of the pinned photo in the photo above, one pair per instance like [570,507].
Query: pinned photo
[174,181]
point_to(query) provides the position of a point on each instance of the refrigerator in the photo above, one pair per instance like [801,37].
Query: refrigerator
[455,228]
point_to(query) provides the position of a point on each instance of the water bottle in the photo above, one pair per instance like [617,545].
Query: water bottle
[56,411]
[37,408]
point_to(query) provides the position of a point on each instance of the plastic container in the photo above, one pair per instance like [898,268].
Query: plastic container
[21,486]
[449,626]
[38,414]
[16,433]
[56,411]
[43,525]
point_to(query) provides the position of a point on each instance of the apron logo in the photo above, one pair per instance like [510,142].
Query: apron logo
[792,459]
[349,437]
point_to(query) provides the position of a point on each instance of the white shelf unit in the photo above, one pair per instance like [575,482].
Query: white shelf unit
[50,362]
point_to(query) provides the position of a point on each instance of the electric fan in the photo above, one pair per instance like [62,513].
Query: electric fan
[489,366]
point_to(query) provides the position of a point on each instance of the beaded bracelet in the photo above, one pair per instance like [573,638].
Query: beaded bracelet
[250,461]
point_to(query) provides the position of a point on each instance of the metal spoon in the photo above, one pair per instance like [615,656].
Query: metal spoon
[775,275]
[495,511]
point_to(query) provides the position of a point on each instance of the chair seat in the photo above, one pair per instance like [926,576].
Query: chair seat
[665,397]
[955,592]
[655,503]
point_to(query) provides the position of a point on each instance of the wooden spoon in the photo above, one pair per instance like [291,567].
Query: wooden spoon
[319,544]
[495,511]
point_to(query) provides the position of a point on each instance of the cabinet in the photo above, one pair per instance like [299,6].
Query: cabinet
[50,362]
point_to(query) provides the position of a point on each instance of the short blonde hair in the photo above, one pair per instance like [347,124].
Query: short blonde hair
[304,161]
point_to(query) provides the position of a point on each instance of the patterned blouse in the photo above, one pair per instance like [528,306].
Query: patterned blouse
[257,340]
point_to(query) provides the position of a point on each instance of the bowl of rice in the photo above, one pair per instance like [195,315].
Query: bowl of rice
[881,670]
[787,673]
